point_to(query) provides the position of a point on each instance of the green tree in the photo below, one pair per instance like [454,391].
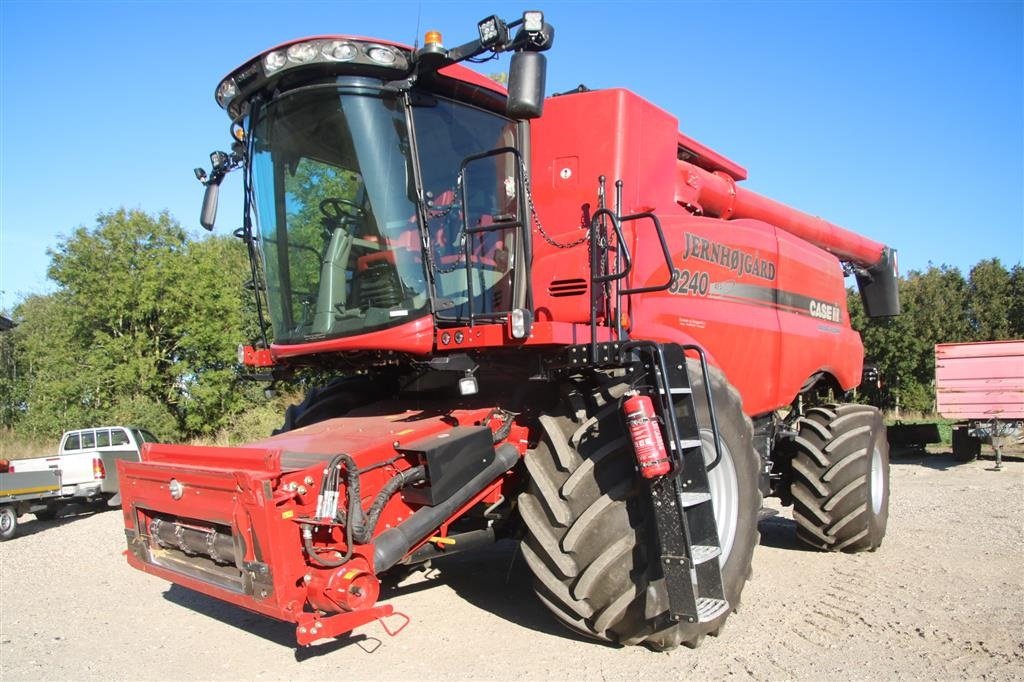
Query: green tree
[989,301]
[143,329]
[1015,314]
[933,311]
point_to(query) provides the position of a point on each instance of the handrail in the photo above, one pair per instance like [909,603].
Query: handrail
[664,250]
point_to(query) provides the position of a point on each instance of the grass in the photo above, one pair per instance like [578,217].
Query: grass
[17,446]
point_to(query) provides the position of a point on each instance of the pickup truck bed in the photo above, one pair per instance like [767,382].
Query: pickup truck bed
[23,492]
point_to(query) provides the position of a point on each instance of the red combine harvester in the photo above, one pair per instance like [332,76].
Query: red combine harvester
[554,319]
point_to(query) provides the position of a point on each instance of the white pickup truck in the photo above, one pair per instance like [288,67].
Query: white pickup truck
[87,462]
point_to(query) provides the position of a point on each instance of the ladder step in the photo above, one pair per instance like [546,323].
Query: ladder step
[693,499]
[681,390]
[687,443]
[709,609]
[702,553]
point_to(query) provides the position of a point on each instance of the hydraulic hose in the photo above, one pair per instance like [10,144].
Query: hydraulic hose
[393,544]
[359,525]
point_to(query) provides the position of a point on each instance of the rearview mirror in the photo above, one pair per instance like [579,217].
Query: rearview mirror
[526,80]
[208,215]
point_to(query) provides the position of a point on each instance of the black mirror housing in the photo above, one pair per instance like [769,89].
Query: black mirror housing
[208,216]
[526,80]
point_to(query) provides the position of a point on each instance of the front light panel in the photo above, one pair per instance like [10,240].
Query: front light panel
[382,55]
[340,51]
[274,62]
[226,92]
[301,53]
[322,51]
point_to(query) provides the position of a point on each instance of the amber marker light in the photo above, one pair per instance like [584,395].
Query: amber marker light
[432,38]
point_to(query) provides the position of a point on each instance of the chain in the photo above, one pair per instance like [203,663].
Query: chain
[536,218]
[441,213]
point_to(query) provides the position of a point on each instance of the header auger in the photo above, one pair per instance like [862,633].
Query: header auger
[558,320]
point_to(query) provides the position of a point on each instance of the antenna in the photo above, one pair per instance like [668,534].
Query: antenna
[416,38]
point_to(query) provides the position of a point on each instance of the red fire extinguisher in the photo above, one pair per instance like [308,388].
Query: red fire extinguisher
[648,445]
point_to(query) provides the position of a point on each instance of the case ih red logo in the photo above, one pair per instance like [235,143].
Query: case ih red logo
[737,260]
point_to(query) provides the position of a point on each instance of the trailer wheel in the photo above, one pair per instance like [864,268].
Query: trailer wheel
[49,513]
[840,471]
[8,522]
[589,528]
[966,447]
[332,400]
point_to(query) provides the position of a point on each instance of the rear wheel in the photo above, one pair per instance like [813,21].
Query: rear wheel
[48,513]
[332,400]
[840,486]
[590,536]
[8,522]
[966,447]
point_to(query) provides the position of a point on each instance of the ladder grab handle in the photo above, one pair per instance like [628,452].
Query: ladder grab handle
[664,250]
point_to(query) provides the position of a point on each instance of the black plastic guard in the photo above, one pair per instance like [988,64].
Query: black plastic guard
[879,286]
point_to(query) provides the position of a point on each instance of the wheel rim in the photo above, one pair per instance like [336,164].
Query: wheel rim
[5,521]
[877,480]
[724,493]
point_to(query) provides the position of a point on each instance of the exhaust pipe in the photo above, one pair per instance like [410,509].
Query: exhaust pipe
[392,545]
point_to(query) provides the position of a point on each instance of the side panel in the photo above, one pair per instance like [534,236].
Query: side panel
[769,307]
[813,318]
[980,380]
[581,137]
[723,295]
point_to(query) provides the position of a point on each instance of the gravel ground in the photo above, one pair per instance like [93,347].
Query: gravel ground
[943,598]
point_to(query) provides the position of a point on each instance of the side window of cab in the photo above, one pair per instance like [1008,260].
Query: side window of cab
[73,442]
[118,437]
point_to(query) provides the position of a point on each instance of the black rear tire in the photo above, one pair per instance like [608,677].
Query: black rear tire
[966,447]
[840,485]
[49,513]
[589,527]
[332,400]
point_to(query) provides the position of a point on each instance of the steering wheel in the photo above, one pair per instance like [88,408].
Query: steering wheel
[337,209]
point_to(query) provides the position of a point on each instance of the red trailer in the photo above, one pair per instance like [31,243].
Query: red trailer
[981,385]
[557,320]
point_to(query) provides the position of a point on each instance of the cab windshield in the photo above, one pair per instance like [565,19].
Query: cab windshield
[346,246]
[333,193]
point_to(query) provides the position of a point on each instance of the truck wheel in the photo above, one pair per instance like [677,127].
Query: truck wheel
[589,530]
[8,522]
[840,486]
[966,447]
[49,513]
[330,401]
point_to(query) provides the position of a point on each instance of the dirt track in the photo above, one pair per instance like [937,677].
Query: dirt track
[942,598]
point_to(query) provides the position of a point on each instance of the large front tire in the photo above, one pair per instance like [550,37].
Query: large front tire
[589,526]
[840,486]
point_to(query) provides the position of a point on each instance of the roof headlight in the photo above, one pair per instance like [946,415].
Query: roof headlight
[226,92]
[340,51]
[301,53]
[274,61]
[533,21]
[382,55]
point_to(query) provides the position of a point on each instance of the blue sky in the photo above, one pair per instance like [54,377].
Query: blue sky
[901,120]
